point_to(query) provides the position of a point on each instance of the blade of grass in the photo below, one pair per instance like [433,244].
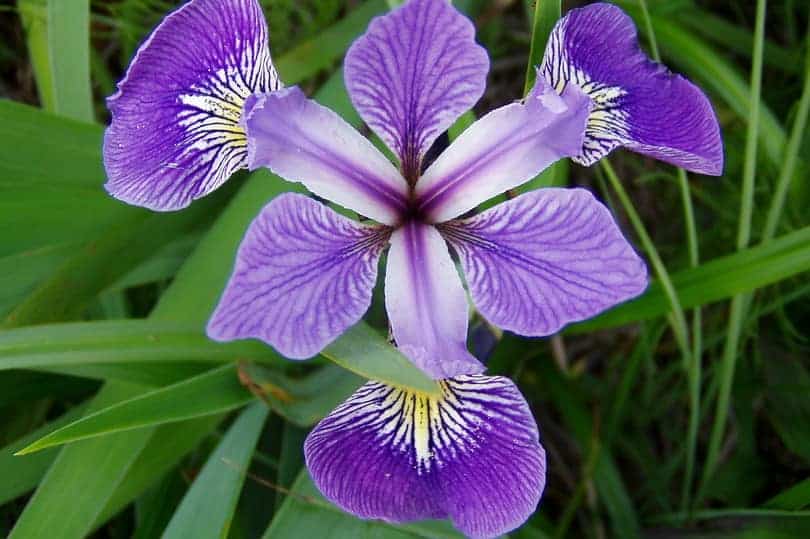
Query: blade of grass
[679,326]
[129,341]
[210,393]
[738,302]
[694,366]
[208,506]
[59,45]
[546,15]
[718,279]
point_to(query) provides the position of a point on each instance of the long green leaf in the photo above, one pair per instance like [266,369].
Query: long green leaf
[59,46]
[716,280]
[22,475]
[210,393]
[207,508]
[86,473]
[129,341]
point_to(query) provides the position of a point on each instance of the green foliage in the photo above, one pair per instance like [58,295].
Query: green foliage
[121,419]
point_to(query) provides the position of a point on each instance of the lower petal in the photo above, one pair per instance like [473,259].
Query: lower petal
[544,259]
[471,454]
[426,303]
[303,275]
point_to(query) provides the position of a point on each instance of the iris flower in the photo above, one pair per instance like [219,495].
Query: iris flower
[202,99]
[305,273]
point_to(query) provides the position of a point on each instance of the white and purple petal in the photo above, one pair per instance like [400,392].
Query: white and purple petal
[175,134]
[544,259]
[302,141]
[426,303]
[471,454]
[502,150]
[638,103]
[413,73]
[303,275]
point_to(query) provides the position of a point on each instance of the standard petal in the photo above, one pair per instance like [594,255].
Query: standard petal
[638,103]
[302,141]
[471,454]
[502,150]
[426,304]
[413,73]
[544,259]
[175,134]
[303,275]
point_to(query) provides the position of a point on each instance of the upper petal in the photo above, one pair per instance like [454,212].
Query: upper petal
[502,150]
[175,134]
[303,275]
[413,73]
[544,259]
[638,103]
[426,304]
[471,454]
[302,141]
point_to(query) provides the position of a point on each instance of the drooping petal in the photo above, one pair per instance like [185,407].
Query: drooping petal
[502,150]
[413,73]
[471,454]
[426,303]
[175,134]
[544,259]
[302,141]
[303,275]
[638,103]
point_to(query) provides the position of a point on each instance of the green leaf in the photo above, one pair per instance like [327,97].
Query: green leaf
[126,341]
[207,508]
[713,281]
[59,46]
[791,499]
[164,450]
[788,405]
[365,352]
[301,401]
[86,473]
[212,392]
[21,475]
[546,15]
[124,245]
[305,513]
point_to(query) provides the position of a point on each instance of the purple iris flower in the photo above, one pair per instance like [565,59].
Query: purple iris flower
[304,273]
[202,100]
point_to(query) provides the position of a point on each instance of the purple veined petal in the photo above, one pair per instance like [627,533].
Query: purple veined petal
[471,454]
[302,141]
[413,73]
[426,304]
[175,134]
[502,150]
[303,275]
[544,259]
[638,103]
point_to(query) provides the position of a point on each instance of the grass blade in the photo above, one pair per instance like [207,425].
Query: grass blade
[208,506]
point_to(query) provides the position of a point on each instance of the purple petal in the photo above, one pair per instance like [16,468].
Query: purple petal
[426,304]
[502,150]
[302,141]
[638,103]
[413,73]
[303,275]
[471,454]
[544,259]
[175,133]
